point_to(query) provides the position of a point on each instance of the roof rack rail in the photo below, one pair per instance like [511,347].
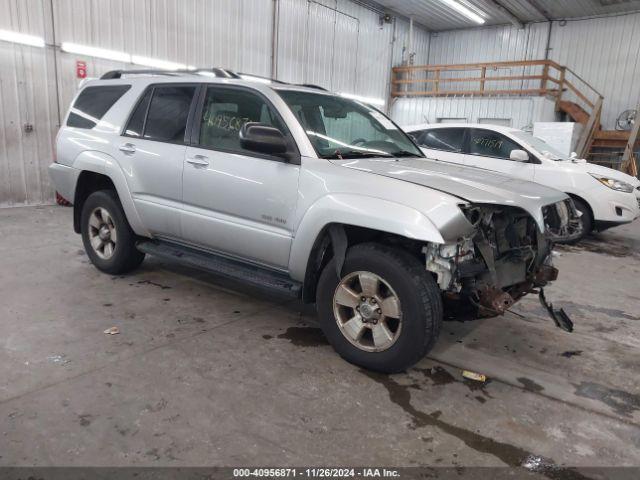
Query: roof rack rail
[311,85]
[218,72]
[261,77]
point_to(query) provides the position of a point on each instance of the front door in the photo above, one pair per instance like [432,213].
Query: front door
[444,144]
[151,152]
[491,150]
[238,202]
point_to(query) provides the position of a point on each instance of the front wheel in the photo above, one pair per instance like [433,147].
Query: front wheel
[384,313]
[106,234]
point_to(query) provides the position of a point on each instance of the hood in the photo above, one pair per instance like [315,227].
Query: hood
[600,170]
[472,184]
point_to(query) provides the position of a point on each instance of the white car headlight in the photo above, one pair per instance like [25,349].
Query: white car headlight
[613,184]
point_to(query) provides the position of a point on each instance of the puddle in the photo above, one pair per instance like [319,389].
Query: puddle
[305,336]
[509,454]
[621,402]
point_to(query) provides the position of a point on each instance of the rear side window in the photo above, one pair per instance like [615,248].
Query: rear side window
[168,113]
[93,103]
[491,144]
[447,139]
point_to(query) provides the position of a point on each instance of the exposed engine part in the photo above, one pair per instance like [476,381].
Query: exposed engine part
[559,317]
[504,260]
[444,259]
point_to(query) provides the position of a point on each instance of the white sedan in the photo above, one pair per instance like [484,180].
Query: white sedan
[605,197]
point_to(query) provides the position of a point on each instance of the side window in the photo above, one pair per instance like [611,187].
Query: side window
[93,103]
[224,113]
[447,139]
[491,144]
[168,112]
[135,128]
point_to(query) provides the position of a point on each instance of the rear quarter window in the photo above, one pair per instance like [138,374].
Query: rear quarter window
[93,103]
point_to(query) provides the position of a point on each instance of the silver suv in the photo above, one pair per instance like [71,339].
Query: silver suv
[295,189]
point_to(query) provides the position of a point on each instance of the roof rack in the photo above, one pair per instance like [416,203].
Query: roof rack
[311,85]
[217,72]
[214,71]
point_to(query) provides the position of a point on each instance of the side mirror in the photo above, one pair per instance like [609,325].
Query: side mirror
[519,156]
[262,138]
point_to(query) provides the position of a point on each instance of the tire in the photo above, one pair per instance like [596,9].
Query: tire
[401,276]
[114,255]
[586,218]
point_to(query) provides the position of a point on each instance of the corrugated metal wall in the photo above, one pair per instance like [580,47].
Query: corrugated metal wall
[514,112]
[27,98]
[603,51]
[606,53]
[338,44]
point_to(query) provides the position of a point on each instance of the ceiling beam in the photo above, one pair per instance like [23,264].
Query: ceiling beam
[505,11]
[539,9]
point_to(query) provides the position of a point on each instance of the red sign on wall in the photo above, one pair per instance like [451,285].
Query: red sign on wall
[81,69]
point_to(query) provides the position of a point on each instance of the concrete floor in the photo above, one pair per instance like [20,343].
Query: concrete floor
[205,372]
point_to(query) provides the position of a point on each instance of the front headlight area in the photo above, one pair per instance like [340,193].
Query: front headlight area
[613,184]
[503,259]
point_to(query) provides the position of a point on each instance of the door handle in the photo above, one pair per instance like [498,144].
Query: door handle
[128,148]
[198,161]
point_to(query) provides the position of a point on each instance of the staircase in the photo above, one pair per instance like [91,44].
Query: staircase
[573,96]
[611,148]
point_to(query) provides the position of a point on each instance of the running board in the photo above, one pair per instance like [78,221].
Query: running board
[245,273]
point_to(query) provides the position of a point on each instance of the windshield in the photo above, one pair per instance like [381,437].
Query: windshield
[342,128]
[541,146]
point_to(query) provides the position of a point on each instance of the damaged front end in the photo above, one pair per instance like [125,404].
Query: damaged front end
[505,257]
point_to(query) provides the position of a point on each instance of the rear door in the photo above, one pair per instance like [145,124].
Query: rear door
[238,202]
[491,150]
[444,144]
[151,152]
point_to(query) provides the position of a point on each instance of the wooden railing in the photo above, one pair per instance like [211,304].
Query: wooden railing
[522,78]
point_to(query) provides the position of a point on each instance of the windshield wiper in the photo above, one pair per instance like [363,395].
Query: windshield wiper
[404,153]
[356,154]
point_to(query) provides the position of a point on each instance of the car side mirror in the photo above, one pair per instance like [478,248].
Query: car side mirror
[262,138]
[519,156]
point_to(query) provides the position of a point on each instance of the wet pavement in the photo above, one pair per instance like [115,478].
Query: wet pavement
[207,372]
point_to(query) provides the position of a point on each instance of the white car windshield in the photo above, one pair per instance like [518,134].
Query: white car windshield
[541,146]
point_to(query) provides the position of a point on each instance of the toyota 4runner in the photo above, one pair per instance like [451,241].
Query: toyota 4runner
[293,188]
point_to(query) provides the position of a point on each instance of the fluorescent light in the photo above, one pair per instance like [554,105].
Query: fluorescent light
[464,10]
[372,101]
[15,37]
[95,52]
[157,63]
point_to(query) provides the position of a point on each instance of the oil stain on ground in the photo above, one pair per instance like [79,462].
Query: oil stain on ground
[530,385]
[509,454]
[305,336]
[621,402]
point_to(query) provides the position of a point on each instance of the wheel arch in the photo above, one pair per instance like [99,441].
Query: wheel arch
[100,171]
[333,241]
[583,200]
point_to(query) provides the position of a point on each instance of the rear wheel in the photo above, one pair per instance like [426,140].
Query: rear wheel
[385,311]
[106,234]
